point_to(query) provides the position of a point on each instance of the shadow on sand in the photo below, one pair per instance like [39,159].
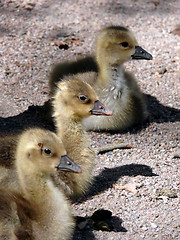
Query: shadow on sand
[103,181]
[109,176]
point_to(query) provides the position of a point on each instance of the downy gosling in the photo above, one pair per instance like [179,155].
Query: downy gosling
[73,101]
[40,210]
[115,87]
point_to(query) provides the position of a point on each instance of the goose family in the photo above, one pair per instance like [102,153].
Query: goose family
[39,169]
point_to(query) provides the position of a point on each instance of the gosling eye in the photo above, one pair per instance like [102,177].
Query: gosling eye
[125,44]
[47,151]
[83,98]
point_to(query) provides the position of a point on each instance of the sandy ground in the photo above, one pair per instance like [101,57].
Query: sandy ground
[139,185]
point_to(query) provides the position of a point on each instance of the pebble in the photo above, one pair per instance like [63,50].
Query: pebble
[162,70]
[177,154]
[153,225]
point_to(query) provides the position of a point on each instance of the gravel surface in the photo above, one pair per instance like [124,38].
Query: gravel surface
[139,185]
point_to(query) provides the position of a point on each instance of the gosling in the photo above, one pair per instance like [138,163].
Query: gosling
[116,88]
[73,101]
[40,210]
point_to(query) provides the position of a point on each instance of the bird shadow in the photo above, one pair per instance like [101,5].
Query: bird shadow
[160,113]
[116,222]
[109,176]
[83,235]
[34,116]
[112,223]
[37,116]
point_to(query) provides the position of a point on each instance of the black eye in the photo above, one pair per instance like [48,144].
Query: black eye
[82,98]
[125,44]
[47,151]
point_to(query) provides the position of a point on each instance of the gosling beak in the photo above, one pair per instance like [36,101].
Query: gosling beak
[66,164]
[140,53]
[100,109]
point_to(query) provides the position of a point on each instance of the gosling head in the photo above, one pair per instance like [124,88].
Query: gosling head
[77,100]
[44,151]
[117,44]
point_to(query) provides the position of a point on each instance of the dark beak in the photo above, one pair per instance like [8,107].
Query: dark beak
[100,109]
[140,53]
[66,164]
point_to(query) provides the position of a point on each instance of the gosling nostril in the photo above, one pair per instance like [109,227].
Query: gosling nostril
[68,163]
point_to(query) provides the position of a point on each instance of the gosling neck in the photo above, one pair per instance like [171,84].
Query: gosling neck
[69,129]
[65,123]
[111,75]
[34,184]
